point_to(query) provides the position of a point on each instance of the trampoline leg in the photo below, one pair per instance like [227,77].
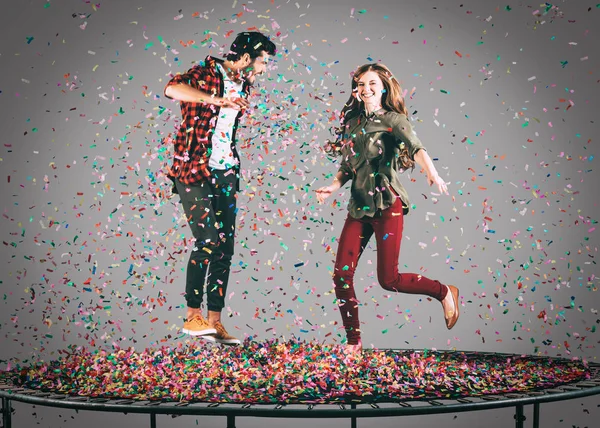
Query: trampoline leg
[536,415]
[230,421]
[152,420]
[353,418]
[519,416]
[6,413]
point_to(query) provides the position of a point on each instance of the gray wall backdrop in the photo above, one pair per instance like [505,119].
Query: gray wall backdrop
[503,95]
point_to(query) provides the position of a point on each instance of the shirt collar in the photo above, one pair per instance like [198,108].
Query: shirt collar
[212,62]
[374,113]
[221,70]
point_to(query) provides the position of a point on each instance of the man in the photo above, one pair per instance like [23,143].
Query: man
[205,171]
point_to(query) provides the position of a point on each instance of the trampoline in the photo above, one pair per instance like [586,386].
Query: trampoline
[296,379]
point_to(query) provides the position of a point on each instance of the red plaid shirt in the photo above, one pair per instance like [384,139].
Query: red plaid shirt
[193,143]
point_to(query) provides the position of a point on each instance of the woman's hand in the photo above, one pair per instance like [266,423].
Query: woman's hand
[425,162]
[437,180]
[325,192]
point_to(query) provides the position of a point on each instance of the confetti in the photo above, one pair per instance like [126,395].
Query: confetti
[291,371]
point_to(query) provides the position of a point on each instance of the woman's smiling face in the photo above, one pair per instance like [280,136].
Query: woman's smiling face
[369,89]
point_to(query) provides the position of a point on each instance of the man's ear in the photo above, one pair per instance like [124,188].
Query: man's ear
[246,58]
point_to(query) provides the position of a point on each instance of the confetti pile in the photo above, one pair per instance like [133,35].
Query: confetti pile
[292,371]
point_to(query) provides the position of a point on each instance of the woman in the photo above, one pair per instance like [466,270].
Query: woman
[376,142]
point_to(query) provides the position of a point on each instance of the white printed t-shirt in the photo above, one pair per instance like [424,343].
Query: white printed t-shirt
[221,156]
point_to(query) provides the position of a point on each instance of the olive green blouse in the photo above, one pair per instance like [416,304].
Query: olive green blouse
[371,159]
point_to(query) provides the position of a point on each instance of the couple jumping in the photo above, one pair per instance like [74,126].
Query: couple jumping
[375,142]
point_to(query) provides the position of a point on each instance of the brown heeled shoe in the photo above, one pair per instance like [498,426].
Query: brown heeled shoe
[452,320]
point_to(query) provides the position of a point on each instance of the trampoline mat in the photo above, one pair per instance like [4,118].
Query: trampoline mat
[291,372]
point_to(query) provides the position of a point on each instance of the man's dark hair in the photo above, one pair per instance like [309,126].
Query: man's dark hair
[251,42]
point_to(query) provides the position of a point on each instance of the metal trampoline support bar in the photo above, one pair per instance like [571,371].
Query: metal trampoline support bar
[6,413]
[519,416]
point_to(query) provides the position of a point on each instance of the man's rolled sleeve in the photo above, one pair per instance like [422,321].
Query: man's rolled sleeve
[193,77]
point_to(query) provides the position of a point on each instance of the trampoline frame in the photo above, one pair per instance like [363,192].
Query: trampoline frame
[571,391]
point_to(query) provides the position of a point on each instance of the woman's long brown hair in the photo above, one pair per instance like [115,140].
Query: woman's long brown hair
[391,100]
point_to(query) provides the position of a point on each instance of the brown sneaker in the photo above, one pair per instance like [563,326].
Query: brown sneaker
[221,336]
[197,326]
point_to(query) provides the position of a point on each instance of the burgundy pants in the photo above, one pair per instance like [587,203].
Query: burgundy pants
[387,226]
